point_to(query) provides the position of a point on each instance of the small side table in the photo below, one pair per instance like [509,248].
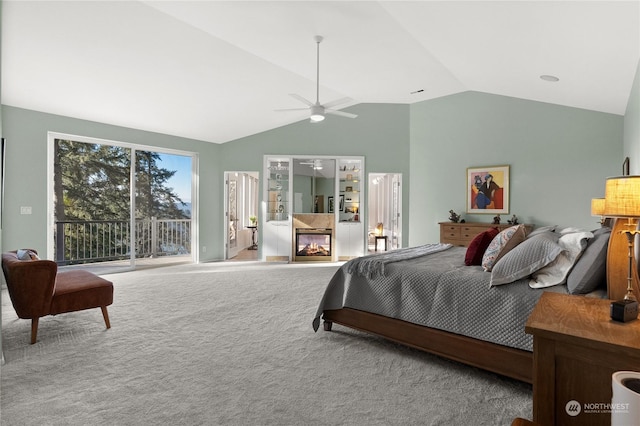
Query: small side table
[381,237]
[576,349]
[254,245]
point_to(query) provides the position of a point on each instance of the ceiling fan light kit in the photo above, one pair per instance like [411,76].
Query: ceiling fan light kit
[317,109]
[317,113]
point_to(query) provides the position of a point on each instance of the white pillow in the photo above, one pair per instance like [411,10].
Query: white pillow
[556,272]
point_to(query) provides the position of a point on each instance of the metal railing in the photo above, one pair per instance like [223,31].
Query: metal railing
[101,240]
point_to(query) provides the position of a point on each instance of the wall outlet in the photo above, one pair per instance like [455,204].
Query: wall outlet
[25,209]
[204,249]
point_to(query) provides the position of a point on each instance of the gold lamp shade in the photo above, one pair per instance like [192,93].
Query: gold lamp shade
[597,206]
[622,197]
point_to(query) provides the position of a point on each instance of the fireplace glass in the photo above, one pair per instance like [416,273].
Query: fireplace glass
[313,243]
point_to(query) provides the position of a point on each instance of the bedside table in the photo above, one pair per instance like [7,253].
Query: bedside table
[576,349]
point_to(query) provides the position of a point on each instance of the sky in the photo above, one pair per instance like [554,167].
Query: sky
[181,181]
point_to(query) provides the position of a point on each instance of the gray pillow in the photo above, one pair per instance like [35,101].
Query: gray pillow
[590,271]
[541,230]
[26,254]
[526,258]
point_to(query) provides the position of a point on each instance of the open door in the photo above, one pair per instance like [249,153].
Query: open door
[385,209]
[241,214]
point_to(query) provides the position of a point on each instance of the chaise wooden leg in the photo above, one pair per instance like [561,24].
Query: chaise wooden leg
[327,325]
[34,329]
[105,314]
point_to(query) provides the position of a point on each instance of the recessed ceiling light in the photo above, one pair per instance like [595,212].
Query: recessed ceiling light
[552,78]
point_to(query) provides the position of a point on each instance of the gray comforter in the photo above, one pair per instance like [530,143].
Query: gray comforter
[437,290]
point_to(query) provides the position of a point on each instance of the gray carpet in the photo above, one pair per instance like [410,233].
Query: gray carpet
[232,344]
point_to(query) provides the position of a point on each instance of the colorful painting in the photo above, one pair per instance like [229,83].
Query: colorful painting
[488,190]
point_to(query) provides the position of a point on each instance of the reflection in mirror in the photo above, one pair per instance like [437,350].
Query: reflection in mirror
[313,184]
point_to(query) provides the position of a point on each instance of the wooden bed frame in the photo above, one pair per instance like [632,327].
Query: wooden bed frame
[510,362]
[500,359]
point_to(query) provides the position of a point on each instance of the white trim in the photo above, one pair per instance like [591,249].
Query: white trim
[132,208]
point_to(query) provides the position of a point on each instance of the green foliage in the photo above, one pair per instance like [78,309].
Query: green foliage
[92,184]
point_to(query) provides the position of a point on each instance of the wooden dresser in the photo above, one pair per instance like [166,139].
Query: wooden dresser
[576,349]
[461,234]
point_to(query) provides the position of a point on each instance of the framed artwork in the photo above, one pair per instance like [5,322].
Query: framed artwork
[341,207]
[330,201]
[488,190]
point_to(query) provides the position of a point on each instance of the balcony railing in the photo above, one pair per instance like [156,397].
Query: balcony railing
[101,240]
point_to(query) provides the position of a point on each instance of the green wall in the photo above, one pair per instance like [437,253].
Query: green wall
[380,133]
[559,158]
[632,126]
[26,175]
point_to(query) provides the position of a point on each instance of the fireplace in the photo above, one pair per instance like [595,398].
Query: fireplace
[313,244]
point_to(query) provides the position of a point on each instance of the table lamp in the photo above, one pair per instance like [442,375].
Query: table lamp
[622,201]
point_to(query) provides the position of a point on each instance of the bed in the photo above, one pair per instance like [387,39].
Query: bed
[429,298]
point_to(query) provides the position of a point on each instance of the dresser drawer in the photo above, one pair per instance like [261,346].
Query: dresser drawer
[455,242]
[461,234]
[469,232]
[449,232]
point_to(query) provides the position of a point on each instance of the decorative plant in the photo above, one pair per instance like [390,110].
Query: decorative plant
[253,219]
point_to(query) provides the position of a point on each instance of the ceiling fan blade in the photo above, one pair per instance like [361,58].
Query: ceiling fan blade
[291,109]
[301,99]
[340,113]
[318,110]
[337,102]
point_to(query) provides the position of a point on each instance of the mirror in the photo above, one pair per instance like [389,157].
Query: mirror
[313,184]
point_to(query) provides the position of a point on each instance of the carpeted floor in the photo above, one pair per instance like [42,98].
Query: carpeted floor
[232,344]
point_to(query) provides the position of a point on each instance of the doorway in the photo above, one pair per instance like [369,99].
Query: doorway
[384,211]
[241,215]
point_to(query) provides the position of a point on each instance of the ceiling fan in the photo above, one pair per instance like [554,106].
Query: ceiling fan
[317,109]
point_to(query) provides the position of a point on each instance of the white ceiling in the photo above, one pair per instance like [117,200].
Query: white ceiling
[216,71]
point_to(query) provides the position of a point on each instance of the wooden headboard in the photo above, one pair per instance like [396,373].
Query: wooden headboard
[618,263]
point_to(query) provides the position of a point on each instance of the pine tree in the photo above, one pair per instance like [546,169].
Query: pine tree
[92,183]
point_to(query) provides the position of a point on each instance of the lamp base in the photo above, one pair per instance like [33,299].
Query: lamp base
[624,310]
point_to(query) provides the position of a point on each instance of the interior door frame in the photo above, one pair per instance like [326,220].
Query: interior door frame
[227,175]
[395,209]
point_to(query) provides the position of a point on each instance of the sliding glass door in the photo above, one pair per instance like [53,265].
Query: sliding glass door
[115,207]
[162,216]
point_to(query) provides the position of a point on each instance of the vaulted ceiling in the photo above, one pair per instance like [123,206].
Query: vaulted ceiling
[216,70]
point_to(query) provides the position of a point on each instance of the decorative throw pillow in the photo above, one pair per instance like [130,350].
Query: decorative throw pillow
[501,244]
[556,272]
[529,256]
[26,254]
[478,246]
[590,271]
[542,230]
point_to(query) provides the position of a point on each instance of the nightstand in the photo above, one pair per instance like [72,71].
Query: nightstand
[576,349]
